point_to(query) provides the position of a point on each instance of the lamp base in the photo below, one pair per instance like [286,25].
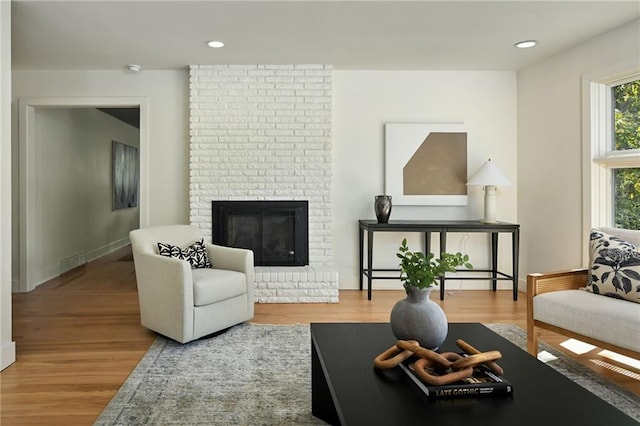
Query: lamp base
[490,204]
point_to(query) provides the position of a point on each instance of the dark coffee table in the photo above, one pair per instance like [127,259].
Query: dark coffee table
[347,390]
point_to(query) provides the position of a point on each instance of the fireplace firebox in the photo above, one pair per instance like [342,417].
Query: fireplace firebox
[276,231]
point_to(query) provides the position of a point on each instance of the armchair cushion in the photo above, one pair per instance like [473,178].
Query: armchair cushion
[215,285]
[195,254]
[614,267]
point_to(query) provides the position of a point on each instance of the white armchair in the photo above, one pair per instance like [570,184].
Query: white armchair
[183,303]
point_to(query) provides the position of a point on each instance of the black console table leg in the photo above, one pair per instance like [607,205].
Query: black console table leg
[361,251]
[515,250]
[427,243]
[494,261]
[443,248]
[369,261]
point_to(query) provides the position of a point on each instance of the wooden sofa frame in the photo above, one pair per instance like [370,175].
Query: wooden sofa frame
[554,281]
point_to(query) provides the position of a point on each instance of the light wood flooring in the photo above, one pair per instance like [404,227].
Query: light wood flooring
[79,336]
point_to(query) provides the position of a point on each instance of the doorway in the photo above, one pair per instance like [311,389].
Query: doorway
[29,240]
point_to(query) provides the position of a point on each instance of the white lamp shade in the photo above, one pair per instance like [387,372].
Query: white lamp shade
[489,174]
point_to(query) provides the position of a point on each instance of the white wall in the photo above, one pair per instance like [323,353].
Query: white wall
[7,346]
[72,211]
[363,101]
[550,147]
[166,92]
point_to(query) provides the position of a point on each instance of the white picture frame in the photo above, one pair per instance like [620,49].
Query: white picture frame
[402,140]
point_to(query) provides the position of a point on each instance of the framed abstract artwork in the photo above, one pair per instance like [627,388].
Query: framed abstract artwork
[426,164]
[125,175]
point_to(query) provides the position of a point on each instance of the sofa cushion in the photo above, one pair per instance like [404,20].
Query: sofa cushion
[195,254]
[215,285]
[614,267]
[609,320]
[630,235]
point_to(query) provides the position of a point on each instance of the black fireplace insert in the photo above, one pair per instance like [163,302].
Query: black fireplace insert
[276,231]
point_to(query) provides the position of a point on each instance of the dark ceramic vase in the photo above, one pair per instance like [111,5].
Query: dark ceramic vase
[382,208]
[419,318]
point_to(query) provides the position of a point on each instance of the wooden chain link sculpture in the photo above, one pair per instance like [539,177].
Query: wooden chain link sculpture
[438,368]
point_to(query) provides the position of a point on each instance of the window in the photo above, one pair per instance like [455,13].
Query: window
[626,139]
[612,147]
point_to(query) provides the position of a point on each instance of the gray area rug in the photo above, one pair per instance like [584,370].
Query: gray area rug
[261,375]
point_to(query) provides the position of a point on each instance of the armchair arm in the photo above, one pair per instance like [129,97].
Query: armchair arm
[553,281]
[234,259]
[165,292]
[544,283]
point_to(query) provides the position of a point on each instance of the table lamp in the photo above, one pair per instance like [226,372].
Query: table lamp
[489,176]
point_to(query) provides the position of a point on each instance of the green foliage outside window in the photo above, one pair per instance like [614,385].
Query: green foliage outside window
[627,136]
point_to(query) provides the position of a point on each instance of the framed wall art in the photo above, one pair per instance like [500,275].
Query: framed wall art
[125,175]
[426,164]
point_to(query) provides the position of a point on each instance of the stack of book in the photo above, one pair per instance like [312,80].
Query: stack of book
[482,383]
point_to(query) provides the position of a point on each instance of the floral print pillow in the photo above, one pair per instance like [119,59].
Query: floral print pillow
[614,267]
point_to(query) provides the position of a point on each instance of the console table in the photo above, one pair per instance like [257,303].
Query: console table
[442,227]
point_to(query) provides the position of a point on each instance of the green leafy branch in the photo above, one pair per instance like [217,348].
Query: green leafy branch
[422,271]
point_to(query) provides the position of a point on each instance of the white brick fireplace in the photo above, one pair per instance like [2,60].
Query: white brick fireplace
[263,132]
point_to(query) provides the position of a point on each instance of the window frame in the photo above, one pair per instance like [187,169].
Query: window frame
[599,157]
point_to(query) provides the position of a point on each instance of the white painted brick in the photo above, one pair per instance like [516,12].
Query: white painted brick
[314,72]
[278,67]
[271,129]
[323,292]
[277,285]
[292,293]
[279,79]
[261,72]
[280,299]
[290,72]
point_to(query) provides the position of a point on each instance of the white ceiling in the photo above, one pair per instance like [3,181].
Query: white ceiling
[408,35]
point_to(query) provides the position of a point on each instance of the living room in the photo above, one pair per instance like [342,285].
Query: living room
[528,120]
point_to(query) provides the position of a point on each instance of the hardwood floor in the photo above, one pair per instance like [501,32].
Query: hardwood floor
[79,336]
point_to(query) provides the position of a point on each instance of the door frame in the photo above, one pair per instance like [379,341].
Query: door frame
[26,118]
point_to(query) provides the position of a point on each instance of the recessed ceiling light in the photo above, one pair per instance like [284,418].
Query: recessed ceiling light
[526,44]
[215,44]
[134,68]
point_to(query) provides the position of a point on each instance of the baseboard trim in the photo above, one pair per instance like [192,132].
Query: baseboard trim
[90,256]
[7,354]
[109,248]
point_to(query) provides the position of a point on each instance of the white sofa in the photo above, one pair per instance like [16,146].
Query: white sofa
[183,303]
[554,302]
